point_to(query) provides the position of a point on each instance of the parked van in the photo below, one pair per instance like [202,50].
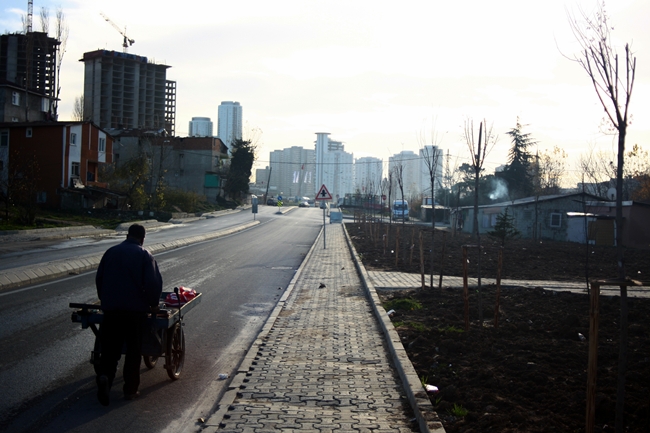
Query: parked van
[400,210]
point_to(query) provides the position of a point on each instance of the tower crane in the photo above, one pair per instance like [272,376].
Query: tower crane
[127,41]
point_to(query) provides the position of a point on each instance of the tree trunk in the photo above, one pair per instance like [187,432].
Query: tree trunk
[622,353]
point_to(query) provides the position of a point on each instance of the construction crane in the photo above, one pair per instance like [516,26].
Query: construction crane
[127,41]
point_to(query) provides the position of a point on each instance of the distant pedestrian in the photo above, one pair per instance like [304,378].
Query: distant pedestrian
[129,285]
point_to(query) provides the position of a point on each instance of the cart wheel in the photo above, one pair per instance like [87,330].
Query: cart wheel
[175,353]
[95,355]
[150,361]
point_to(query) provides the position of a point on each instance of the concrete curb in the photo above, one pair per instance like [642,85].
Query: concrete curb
[284,210]
[426,416]
[25,275]
[147,224]
[212,424]
[55,233]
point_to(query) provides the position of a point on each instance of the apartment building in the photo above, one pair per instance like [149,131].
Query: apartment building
[334,166]
[229,127]
[28,77]
[368,173]
[127,91]
[292,172]
[200,127]
[194,164]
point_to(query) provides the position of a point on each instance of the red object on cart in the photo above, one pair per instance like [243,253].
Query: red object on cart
[184,293]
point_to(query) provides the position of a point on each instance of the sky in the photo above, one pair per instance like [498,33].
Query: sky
[379,76]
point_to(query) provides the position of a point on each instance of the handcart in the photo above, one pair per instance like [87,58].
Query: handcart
[163,334]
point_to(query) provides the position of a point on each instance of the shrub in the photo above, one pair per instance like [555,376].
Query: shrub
[407,304]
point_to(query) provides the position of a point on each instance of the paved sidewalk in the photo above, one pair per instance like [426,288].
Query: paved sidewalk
[405,281]
[325,360]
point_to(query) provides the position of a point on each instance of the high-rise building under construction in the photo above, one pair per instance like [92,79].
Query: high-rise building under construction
[127,91]
[28,65]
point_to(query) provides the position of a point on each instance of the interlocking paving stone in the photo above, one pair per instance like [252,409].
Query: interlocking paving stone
[324,365]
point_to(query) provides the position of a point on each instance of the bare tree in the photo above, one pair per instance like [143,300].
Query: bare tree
[432,156]
[45,20]
[551,167]
[386,190]
[78,108]
[478,151]
[62,32]
[600,61]
[391,191]
[595,169]
[398,169]
[19,187]
[599,169]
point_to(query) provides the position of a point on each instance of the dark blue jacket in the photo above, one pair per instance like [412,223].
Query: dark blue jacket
[128,278]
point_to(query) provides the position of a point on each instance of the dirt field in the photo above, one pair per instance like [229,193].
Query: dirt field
[529,373]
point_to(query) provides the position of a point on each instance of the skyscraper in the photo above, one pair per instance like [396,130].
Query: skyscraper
[126,91]
[368,173]
[405,169]
[334,166]
[229,127]
[292,172]
[200,127]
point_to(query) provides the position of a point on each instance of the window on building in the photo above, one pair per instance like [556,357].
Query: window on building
[14,119]
[75,169]
[15,98]
[489,220]
[28,132]
[41,197]
[73,138]
[102,145]
[4,138]
[556,220]
[45,105]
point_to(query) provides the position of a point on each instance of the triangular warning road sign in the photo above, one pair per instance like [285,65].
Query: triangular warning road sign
[323,194]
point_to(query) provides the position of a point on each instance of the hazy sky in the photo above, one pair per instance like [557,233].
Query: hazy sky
[377,75]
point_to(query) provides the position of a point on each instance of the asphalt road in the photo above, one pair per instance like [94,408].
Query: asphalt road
[47,382]
[16,254]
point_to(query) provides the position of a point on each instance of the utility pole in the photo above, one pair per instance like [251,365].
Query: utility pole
[268,181]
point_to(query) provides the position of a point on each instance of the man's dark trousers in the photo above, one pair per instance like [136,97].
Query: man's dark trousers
[117,330]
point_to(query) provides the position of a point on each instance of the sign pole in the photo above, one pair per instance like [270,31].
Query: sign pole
[324,230]
[323,195]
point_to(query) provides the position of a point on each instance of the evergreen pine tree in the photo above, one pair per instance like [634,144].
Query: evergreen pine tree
[518,173]
[241,164]
[504,228]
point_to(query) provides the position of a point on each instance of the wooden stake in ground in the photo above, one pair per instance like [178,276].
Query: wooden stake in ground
[412,246]
[442,257]
[496,307]
[396,246]
[465,288]
[421,239]
[593,358]
[386,238]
